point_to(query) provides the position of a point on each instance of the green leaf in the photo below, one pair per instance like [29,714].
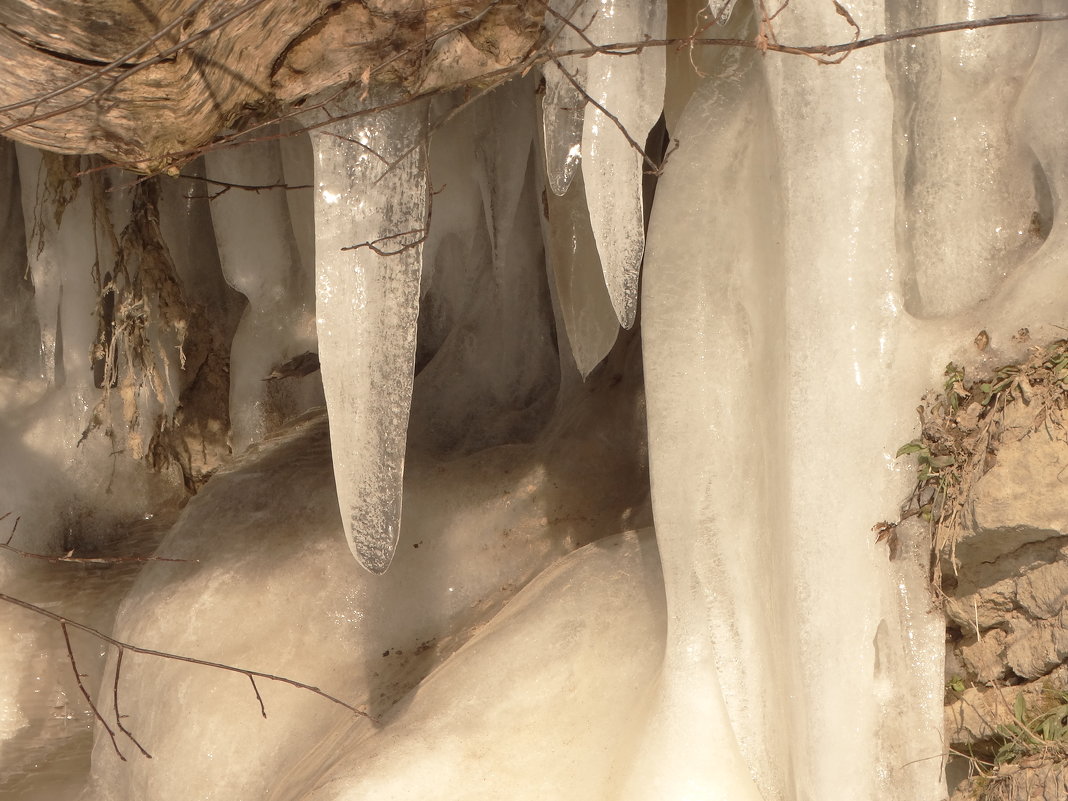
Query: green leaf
[910,447]
[1020,709]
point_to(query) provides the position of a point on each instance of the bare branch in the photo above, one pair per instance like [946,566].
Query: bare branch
[85,692]
[67,622]
[88,560]
[115,704]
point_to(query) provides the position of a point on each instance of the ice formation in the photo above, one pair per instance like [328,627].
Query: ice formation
[259,257]
[370,221]
[822,241]
[598,111]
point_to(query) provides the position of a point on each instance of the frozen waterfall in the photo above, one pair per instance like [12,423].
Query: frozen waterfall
[639,462]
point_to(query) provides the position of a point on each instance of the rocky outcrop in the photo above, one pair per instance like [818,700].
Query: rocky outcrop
[1007,621]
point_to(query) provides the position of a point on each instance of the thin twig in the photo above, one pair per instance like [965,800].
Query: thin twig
[85,692]
[255,689]
[373,244]
[88,560]
[65,621]
[115,704]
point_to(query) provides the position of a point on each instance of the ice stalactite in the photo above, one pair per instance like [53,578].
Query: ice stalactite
[630,89]
[260,259]
[58,230]
[585,307]
[564,103]
[370,220]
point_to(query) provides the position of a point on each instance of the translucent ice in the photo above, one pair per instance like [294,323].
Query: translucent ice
[589,319]
[630,89]
[564,103]
[370,219]
[983,209]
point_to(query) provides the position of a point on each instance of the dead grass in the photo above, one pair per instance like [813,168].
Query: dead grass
[961,428]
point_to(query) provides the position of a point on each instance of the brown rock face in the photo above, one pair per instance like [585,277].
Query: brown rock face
[148,83]
[1007,664]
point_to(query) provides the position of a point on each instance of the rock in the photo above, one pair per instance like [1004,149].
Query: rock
[1024,497]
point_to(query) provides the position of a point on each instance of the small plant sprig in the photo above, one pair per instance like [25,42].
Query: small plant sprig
[961,429]
[1032,734]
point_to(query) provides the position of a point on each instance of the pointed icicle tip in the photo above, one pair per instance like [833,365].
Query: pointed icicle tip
[375,550]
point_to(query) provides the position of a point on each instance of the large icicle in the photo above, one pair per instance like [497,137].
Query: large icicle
[631,89]
[370,214]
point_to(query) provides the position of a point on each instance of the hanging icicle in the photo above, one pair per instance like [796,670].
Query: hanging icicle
[370,219]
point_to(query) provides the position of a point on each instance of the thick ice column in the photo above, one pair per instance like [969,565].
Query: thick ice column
[852,384]
[778,390]
[631,88]
[970,199]
[711,337]
[259,258]
[370,215]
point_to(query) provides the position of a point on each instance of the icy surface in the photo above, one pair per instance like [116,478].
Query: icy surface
[370,219]
[630,89]
[983,210]
[784,353]
[266,530]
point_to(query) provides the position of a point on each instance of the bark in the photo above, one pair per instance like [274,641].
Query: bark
[146,83]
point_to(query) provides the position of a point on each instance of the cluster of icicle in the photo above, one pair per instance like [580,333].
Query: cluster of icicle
[372,205]
[784,298]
